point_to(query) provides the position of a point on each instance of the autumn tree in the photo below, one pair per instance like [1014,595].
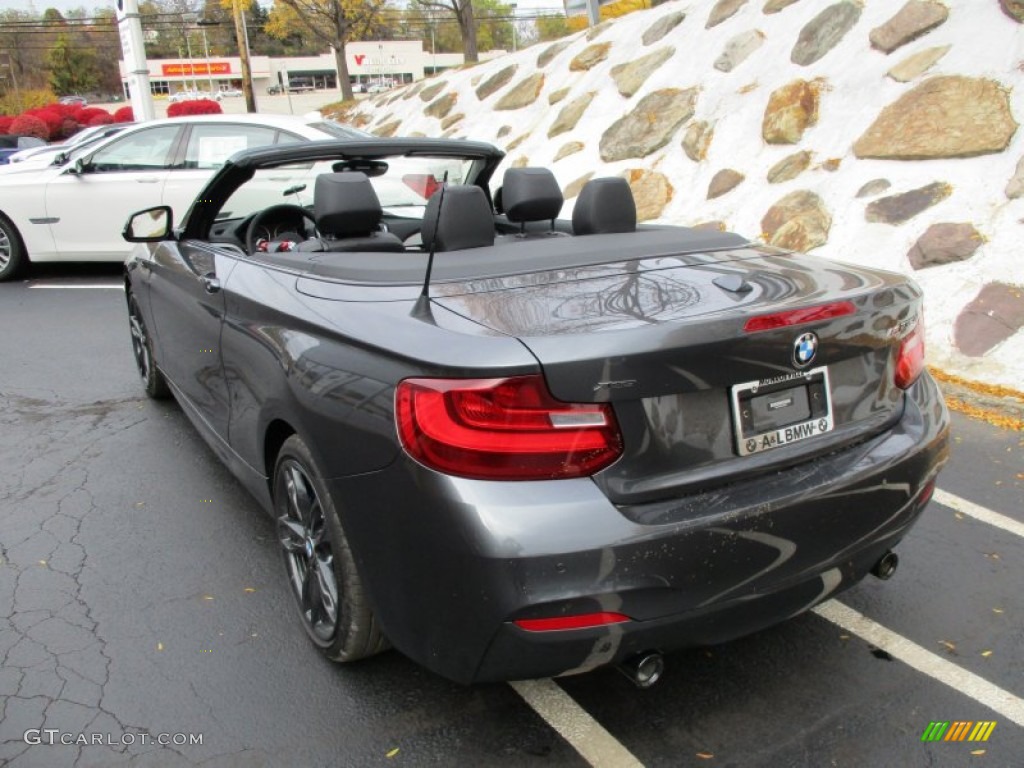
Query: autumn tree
[463,12]
[334,22]
[72,67]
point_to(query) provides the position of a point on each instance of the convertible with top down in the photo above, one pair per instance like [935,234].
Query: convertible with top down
[514,445]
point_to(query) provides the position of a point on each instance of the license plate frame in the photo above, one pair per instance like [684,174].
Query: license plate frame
[751,440]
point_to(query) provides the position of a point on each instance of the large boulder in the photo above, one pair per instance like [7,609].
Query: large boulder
[523,94]
[798,222]
[651,191]
[498,80]
[917,64]
[630,76]
[1013,8]
[724,181]
[738,49]
[571,114]
[995,314]
[430,91]
[662,27]
[550,52]
[789,167]
[723,10]
[791,110]
[590,57]
[897,209]
[1015,187]
[568,149]
[874,187]
[573,188]
[697,139]
[774,6]
[947,116]
[914,19]
[442,106]
[650,126]
[822,33]
[945,243]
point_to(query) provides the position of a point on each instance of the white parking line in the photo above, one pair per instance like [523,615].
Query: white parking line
[584,733]
[979,513]
[992,696]
[59,287]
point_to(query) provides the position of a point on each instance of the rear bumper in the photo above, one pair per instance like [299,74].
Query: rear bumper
[450,563]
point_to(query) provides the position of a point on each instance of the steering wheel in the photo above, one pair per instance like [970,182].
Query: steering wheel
[278,211]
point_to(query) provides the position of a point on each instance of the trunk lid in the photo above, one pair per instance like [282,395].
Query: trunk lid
[665,340]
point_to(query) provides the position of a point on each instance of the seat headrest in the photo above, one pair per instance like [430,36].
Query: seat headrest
[604,206]
[466,220]
[531,194]
[345,204]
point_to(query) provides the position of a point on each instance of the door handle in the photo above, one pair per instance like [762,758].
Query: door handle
[210,283]
[147,181]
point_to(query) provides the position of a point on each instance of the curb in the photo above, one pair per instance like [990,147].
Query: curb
[1000,406]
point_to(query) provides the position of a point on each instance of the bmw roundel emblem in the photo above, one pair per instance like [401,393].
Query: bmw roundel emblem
[804,350]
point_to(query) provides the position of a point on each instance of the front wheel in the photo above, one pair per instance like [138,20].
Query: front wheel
[318,560]
[12,251]
[142,348]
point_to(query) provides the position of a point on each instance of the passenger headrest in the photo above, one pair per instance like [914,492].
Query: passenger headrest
[345,204]
[604,206]
[466,220]
[531,194]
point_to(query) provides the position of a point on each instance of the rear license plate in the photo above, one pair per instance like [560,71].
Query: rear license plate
[775,412]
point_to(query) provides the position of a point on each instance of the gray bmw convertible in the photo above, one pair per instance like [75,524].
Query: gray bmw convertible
[513,445]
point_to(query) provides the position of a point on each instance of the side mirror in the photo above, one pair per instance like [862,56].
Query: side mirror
[149,226]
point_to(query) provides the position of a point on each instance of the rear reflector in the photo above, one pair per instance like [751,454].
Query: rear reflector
[926,493]
[503,429]
[910,360]
[799,316]
[582,621]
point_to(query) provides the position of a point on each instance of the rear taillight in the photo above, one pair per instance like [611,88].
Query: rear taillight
[910,360]
[503,429]
[578,621]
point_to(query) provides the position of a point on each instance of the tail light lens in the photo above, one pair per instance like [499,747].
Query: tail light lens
[503,429]
[799,316]
[910,360]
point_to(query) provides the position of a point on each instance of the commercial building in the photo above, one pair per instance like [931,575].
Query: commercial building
[388,61]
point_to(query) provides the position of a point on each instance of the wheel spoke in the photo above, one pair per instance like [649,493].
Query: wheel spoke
[311,600]
[327,586]
[292,534]
[299,495]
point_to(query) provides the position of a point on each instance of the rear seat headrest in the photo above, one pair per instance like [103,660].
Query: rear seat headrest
[345,204]
[604,206]
[466,220]
[531,194]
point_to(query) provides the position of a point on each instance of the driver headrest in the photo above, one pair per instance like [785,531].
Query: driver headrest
[531,194]
[345,204]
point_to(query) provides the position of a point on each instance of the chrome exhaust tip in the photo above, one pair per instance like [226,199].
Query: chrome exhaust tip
[644,669]
[886,566]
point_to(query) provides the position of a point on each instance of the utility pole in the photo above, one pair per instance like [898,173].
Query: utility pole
[242,35]
[129,25]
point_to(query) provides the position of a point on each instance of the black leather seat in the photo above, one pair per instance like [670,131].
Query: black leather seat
[604,206]
[531,194]
[466,220]
[348,214]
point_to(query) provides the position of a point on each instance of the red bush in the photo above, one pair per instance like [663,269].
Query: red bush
[85,116]
[68,128]
[124,115]
[197,107]
[64,110]
[52,119]
[104,119]
[29,125]
[5,123]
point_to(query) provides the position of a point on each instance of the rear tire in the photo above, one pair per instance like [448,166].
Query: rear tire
[142,348]
[318,560]
[13,257]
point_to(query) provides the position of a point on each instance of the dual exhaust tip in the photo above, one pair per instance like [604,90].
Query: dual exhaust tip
[645,669]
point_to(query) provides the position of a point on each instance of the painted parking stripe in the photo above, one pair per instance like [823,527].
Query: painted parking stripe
[60,287]
[979,513]
[982,691]
[575,725]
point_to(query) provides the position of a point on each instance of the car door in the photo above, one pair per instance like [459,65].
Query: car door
[207,147]
[87,209]
[187,303]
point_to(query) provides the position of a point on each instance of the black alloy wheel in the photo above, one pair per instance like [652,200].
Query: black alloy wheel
[318,561]
[153,381]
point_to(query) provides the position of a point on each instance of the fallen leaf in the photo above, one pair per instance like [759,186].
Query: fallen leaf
[997,610]
[705,755]
[250,590]
[986,654]
[958,515]
[992,555]
[977,752]
[159,646]
[951,647]
[42,562]
[844,637]
[1020,475]
[393,752]
[207,597]
[140,504]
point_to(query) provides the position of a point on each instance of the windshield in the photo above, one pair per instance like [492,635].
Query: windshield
[403,186]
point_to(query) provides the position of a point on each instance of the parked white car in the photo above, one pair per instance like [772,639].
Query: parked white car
[42,156]
[194,96]
[76,211]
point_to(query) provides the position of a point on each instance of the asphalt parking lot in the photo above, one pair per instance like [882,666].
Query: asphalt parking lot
[142,600]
